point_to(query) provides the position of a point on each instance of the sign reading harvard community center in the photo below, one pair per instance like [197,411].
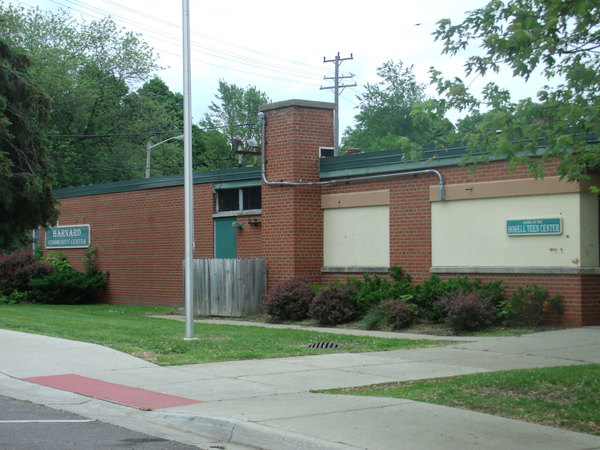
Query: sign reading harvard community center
[73,236]
[532,227]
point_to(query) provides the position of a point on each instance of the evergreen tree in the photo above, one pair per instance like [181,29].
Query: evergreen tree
[26,200]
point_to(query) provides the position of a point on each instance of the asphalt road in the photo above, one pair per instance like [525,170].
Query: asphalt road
[25,425]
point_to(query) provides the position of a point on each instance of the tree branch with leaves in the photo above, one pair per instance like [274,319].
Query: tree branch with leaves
[392,113]
[560,41]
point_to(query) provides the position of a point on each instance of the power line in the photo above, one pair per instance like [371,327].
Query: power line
[211,52]
[148,133]
[204,162]
[107,135]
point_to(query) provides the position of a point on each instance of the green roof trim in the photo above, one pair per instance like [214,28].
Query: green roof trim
[346,165]
[382,161]
[393,160]
[241,174]
[237,184]
[388,161]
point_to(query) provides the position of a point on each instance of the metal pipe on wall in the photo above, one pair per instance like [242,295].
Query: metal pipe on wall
[263,120]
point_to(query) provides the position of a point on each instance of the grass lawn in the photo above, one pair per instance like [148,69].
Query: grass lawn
[562,397]
[131,330]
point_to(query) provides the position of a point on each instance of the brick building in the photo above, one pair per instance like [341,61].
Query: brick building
[327,218]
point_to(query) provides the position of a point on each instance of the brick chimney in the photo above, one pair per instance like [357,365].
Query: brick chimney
[291,215]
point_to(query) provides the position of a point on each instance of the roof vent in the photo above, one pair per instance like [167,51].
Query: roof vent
[326,152]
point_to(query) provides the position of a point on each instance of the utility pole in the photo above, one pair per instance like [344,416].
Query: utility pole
[336,95]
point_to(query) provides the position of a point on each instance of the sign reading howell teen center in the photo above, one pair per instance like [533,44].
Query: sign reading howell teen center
[532,227]
[74,236]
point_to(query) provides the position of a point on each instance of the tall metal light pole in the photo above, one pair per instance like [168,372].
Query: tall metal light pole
[188,182]
[150,146]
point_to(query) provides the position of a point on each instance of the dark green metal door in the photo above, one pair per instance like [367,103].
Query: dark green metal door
[225,238]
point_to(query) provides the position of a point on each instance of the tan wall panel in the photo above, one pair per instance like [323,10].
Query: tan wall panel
[356,237]
[473,232]
[354,199]
[508,188]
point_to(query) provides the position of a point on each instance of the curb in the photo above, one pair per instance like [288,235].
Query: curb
[249,433]
[185,428]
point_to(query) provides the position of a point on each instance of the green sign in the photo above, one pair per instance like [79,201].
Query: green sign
[74,236]
[532,227]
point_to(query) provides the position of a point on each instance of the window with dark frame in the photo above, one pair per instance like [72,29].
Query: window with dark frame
[251,198]
[228,200]
[239,199]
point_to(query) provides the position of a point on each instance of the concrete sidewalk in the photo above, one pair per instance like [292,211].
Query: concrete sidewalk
[268,403]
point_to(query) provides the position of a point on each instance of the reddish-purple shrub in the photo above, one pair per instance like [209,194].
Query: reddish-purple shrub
[17,268]
[289,300]
[399,313]
[468,310]
[333,305]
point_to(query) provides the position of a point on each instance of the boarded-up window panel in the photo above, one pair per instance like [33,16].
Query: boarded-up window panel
[356,237]
[469,233]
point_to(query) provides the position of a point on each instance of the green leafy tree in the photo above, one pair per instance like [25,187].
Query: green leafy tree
[211,149]
[93,148]
[154,113]
[86,69]
[393,114]
[234,115]
[26,200]
[557,39]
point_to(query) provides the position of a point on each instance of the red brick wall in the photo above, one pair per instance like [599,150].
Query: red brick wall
[589,300]
[292,217]
[249,238]
[140,240]
[410,209]
[410,238]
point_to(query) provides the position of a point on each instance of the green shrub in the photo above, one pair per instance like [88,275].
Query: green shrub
[65,285]
[373,289]
[495,289]
[528,305]
[289,300]
[15,297]
[467,311]
[399,276]
[428,294]
[333,305]
[397,313]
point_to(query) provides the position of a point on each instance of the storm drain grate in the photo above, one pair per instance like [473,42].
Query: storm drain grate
[324,345]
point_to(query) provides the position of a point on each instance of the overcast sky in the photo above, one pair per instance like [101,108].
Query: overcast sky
[279,46]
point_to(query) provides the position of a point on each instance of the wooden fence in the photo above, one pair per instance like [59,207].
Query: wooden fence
[229,287]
